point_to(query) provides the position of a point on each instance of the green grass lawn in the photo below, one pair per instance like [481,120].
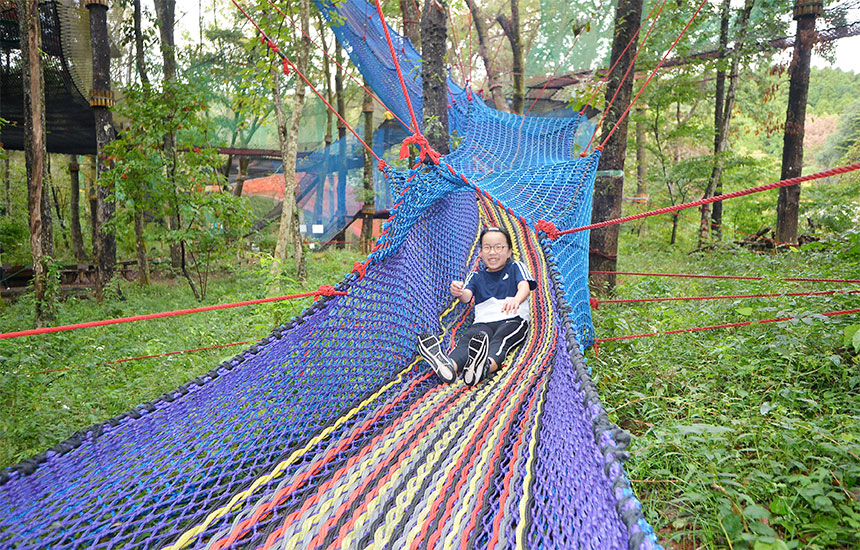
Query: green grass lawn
[746,437]
[39,409]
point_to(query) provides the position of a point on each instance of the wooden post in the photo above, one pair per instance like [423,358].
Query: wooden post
[101,100]
[805,13]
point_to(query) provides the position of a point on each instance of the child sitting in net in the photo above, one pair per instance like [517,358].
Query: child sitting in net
[501,290]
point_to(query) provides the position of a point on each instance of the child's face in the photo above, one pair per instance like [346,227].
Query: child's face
[495,250]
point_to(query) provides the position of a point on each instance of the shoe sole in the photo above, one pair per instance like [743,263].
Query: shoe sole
[430,349]
[479,349]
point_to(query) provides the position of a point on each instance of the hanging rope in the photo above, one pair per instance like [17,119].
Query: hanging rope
[325,290]
[734,277]
[332,58]
[648,80]
[626,73]
[599,341]
[127,359]
[415,127]
[595,303]
[287,64]
[735,194]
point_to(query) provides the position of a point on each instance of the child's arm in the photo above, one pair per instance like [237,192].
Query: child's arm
[512,304]
[457,290]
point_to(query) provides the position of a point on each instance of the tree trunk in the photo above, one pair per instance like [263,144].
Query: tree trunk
[369,203]
[92,194]
[241,176]
[721,137]
[329,121]
[434,47]
[140,245]
[288,231]
[493,83]
[75,210]
[411,24]
[512,31]
[165,11]
[608,189]
[7,184]
[34,151]
[139,56]
[101,99]
[340,216]
[719,99]
[788,204]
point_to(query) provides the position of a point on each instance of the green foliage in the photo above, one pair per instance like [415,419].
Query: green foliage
[181,182]
[744,438]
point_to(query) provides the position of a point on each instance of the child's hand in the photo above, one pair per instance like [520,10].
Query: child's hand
[456,288]
[511,305]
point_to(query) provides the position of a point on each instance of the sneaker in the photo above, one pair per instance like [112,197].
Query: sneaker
[477,365]
[430,348]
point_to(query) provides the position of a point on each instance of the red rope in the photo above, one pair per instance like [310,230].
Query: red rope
[323,291]
[740,277]
[127,359]
[654,72]
[354,78]
[287,64]
[713,327]
[596,303]
[397,66]
[735,194]
[457,51]
[627,72]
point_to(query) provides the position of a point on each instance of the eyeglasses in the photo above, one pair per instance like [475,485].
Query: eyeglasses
[494,247]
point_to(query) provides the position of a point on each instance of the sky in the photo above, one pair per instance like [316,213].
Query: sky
[847,49]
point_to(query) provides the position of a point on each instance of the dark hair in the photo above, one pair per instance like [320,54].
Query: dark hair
[497,230]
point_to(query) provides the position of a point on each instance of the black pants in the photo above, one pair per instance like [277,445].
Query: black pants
[505,336]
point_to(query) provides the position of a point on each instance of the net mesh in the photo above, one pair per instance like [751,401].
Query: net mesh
[331,433]
[67,65]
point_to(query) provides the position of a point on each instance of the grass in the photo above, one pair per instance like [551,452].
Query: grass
[39,409]
[745,437]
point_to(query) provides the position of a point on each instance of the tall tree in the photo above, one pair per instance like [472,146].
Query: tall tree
[289,225]
[101,100]
[165,12]
[340,95]
[368,202]
[434,47]
[788,204]
[493,82]
[75,209]
[411,25]
[609,186]
[721,130]
[512,31]
[140,59]
[34,151]
[719,100]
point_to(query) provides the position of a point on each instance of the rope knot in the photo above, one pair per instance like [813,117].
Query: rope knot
[360,269]
[548,228]
[424,149]
[326,290]
[594,303]
[286,65]
[382,165]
